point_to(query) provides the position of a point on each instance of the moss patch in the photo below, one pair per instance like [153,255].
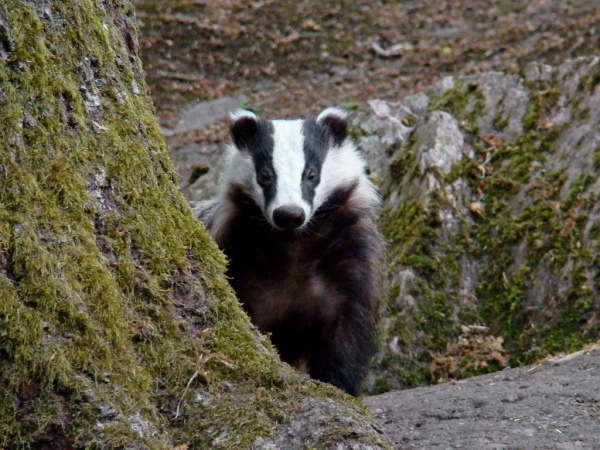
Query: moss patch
[548,229]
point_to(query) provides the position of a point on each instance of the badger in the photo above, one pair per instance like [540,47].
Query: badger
[296,215]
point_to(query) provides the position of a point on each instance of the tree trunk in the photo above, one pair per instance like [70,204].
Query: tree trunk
[117,325]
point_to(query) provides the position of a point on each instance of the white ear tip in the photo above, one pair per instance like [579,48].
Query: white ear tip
[240,113]
[333,112]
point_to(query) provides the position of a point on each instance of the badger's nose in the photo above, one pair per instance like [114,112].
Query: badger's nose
[288,217]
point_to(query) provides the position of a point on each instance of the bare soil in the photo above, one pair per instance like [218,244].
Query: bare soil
[290,58]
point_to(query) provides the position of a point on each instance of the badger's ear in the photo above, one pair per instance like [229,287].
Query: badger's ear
[244,125]
[334,120]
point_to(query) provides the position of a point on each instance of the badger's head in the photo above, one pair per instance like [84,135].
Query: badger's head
[289,167]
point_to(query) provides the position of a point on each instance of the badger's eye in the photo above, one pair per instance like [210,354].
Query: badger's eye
[311,176]
[264,178]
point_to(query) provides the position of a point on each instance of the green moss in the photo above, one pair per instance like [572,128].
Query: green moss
[550,233]
[464,103]
[589,82]
[356,133]
[403,163]
[416,244]
[197,171]
[500,120]
[539,107]
[531,117]
[597,159]
[454,100]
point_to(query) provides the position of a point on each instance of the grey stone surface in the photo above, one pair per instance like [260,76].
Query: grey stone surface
[441,144]
[506,100]
[555,405]
[307,428]
[199,115]
[194,156]
[208,157]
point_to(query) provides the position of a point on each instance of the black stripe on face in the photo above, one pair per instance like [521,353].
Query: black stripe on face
[316,144]
[256,137]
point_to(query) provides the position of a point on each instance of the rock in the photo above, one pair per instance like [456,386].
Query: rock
[441,144]
[555,404]
[198,163]
[506,100]
[491,186]
[308,428]
[198,166]
[202,114]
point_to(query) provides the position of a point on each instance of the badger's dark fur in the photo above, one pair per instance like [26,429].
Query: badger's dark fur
[297,218]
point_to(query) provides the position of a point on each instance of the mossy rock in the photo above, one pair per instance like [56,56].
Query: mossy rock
[506,240]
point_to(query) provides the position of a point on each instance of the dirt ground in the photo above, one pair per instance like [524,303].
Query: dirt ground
[290,58]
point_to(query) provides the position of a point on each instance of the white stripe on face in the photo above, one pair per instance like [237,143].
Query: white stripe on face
[289,162]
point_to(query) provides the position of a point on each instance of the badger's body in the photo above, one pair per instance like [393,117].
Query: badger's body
[297,217]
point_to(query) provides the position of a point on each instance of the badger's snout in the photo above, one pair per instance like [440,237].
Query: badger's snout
[289,217]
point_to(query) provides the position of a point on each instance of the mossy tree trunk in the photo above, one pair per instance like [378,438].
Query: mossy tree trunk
[117,325]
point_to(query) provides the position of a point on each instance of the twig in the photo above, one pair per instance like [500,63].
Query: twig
[196,373]
[394,50]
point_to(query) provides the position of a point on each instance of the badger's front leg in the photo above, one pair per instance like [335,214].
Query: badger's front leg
[353,267]
[345,352]
[348,342]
